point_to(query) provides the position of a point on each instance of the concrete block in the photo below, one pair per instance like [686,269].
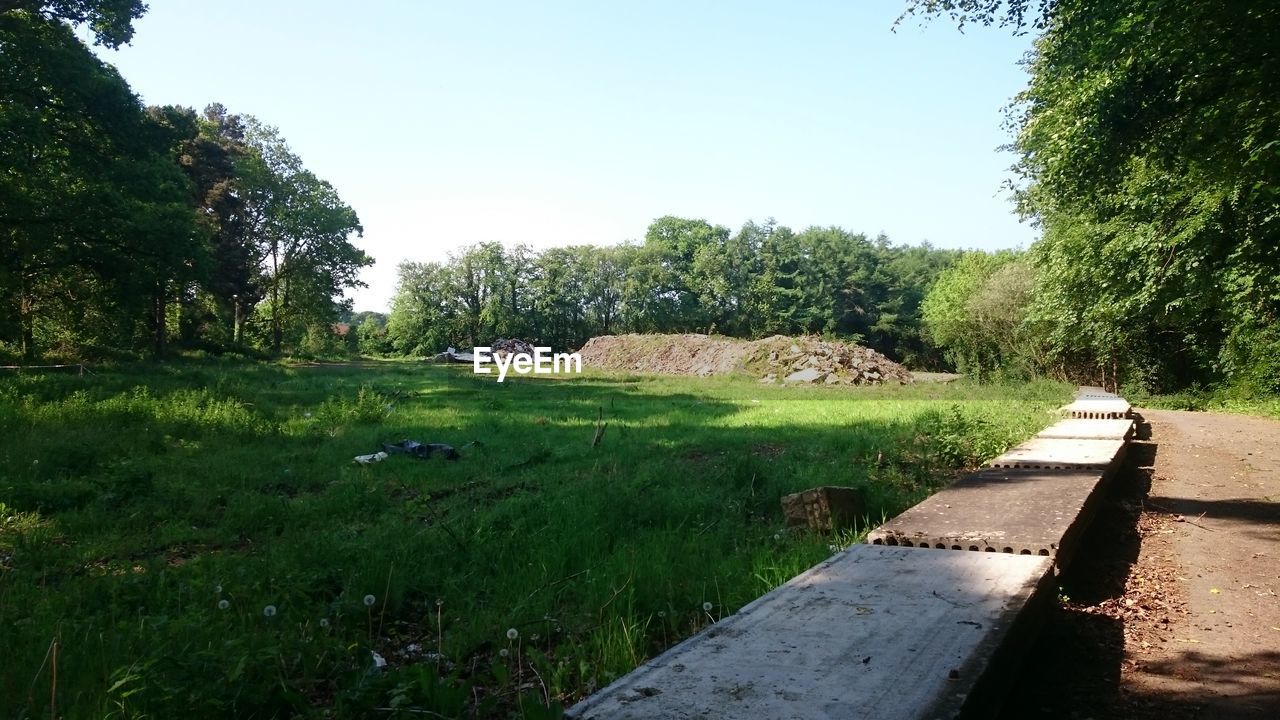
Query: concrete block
[1098,409]
[1089,429]
[1061,454]
[1023,512]
[825,508]
[883,633]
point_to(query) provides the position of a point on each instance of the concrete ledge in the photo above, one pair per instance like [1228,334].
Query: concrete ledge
[1098,409]
[889,633]
[1024,512]
[1061,454]
[1076,429]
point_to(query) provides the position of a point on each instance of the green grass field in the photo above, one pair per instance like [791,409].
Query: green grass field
[195,539]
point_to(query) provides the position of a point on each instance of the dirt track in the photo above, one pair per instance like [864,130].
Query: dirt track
[1172,609]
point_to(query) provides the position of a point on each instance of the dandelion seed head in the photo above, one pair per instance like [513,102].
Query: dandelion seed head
[706,607]
[662,613]
[439,602]
[369,600]
[503,652]
[512,633]
[269,611]
[218,589]
[324,622]
[223,604]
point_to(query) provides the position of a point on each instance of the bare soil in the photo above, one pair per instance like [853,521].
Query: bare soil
[1170,610]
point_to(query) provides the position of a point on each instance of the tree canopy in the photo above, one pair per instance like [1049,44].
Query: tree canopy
[1149,144]
[687,276]
[123,228]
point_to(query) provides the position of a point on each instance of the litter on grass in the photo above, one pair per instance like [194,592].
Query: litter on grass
[371,458]
[421,450]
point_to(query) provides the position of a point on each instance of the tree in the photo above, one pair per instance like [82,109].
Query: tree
[92,208]
[976,312]
[302,230]
[110,20]
[1149,154]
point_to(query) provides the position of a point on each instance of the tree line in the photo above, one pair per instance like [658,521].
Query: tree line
[687,275]
[1149,153]
[126,228]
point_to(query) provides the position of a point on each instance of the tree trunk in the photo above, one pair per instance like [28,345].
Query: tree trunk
[160,321]
[25,321]
[277,333]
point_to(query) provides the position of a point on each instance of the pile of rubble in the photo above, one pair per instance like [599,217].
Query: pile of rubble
[510,346]
[813,360]
[776,359]
[499,348]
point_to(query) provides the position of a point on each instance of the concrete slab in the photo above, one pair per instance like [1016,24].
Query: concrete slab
[1061,454]
[889,633]
[1025,512]
[1098,409]
[1089,429]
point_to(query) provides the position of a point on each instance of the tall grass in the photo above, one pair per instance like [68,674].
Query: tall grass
[151,516]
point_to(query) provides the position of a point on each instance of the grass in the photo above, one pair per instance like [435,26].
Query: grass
[195,539]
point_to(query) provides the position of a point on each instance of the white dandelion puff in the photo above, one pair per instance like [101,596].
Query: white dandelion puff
[324,622]
[269,611]
[503,652]
[706,607]
[512,633]
[223,604]
[218,589]
[369,600]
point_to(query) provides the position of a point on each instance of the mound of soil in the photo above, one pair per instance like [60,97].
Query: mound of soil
[773,359]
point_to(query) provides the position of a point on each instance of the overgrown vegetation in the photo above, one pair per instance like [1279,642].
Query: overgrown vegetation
[196,539]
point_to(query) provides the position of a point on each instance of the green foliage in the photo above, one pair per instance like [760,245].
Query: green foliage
[1149,151]
[977,312]
[110,20]
[122,229]
[151,515]
[96,220]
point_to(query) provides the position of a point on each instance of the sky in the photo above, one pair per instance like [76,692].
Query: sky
[566,122]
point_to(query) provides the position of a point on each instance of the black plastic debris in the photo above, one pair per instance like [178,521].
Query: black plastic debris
[423,451]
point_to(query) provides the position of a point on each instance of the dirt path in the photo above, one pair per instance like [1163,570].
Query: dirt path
[1173,608]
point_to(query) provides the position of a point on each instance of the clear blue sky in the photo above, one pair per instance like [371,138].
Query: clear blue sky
[553,123]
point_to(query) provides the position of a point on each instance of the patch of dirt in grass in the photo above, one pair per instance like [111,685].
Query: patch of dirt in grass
[768,450]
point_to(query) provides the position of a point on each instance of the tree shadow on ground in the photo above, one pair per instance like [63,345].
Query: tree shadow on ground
[1074,668]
